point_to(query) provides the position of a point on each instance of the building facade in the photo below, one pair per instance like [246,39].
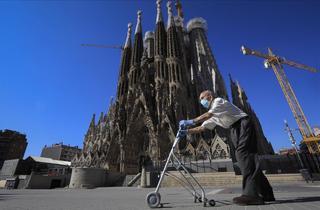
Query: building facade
[160,78]
[35,172]
[12,145]
[60,151]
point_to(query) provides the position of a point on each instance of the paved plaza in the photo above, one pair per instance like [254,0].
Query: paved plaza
[300,196]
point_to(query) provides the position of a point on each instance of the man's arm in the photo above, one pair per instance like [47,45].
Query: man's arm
[202,117]
[198,129]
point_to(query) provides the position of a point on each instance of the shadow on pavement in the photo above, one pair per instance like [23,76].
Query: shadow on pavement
[298,200]
[163,205]
[225,203]
[218,204]
[6,196]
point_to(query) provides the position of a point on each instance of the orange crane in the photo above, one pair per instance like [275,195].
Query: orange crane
[275,62]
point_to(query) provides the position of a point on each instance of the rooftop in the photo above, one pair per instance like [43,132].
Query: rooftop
[49,161]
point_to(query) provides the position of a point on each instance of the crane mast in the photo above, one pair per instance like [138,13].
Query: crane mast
[276,63]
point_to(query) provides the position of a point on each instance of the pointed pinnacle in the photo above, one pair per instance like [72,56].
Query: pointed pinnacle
[138,26]
[159,13]
[128,39]
[170,16]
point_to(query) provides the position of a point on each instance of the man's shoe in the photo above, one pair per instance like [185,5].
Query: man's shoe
[245,200]
[269,199]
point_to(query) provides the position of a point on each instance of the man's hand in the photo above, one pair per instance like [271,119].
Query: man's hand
[185,123]
[182,133]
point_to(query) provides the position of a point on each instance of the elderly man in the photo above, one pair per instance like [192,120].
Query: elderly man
[255,186]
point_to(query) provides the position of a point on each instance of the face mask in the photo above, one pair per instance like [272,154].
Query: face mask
[205,103]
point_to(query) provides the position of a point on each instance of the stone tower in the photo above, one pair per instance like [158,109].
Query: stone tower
[240,99]
[160,78]
[204,67]
[177,70]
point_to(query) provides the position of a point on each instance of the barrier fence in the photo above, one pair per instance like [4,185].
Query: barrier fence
[271,164]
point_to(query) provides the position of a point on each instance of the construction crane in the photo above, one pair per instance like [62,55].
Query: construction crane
[275,62]
[103,46]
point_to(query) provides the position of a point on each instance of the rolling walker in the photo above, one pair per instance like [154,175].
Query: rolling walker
[187,181]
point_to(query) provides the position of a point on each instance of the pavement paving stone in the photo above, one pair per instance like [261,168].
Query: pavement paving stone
[291,196]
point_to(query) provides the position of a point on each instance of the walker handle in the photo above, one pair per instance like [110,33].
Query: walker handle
[177,137]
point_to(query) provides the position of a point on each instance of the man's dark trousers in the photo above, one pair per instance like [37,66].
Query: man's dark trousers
[243,138]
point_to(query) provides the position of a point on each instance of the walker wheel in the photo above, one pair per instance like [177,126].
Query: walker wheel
[212,202]
[153,199]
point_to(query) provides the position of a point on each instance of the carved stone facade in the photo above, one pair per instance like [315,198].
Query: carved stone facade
[160,79]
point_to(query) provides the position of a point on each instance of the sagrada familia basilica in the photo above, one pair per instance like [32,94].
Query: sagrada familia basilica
[160,78]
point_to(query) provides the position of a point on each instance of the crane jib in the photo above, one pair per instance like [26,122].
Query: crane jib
[275,62]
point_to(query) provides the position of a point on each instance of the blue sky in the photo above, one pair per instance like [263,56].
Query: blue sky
[50,85]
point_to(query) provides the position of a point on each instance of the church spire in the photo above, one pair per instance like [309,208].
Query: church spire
[138,42]
[134,74]
[138,26]
[128,39]
[124,66]
[100,118]
[93,122]
[160,33]
[173,46]
[170,15]
[179,8]
[159,13]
